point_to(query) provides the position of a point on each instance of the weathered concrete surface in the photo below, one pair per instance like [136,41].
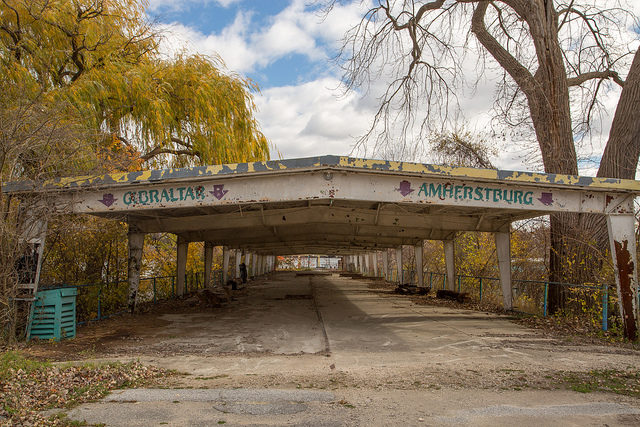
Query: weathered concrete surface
[385,360]
[364,407]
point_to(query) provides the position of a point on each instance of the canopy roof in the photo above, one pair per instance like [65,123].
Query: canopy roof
[328,204]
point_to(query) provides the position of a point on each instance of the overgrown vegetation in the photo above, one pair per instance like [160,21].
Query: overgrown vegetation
[85,89]
[28,387]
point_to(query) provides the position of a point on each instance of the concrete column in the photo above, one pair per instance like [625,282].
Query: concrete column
[247,262]
[385,264]
[225,265]
[623,250]
[367,264]
[419,268]
[374,259]
[238,261]
[503,249]
[450,262]
[136,244]
[254,269]
[181,267]
[208,263]
[399,263]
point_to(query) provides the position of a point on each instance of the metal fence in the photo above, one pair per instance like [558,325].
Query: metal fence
[97,301]
[529,296]
[102,300]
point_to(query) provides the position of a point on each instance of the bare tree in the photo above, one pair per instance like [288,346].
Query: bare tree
[556,59]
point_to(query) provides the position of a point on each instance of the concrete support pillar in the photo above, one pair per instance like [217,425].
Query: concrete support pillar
[181,265]
[450,263]
[225,265]
[623,250]
[419,268]
[136,244]
[385,264]
[503,249]
[247,261]
[208,263]
[254,269]
[399,263]
[238,261]
[374,259]
[367,264]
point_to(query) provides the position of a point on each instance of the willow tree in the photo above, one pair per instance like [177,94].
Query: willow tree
[103,58]
[556,60]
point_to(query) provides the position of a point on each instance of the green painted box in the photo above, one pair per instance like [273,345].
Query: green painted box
[54,314]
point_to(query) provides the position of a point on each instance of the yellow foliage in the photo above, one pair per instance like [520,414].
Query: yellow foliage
[102,57]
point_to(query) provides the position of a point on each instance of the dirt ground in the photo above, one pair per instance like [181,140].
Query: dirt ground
[383,359]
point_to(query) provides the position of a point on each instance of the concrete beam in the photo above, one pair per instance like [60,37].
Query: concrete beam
[476,194]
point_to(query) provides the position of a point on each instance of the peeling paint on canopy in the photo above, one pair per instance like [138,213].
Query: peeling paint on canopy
[332,162]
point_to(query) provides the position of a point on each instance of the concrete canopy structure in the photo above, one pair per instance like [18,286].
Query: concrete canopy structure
[341,205]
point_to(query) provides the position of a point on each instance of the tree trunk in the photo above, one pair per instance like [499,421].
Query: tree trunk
[620,157]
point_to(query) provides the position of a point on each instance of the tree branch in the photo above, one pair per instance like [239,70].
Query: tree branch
[516,70]
[607,74]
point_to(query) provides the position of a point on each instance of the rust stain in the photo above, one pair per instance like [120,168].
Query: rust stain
[625,272]
[608,200]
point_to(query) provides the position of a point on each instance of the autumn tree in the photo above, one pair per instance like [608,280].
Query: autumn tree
[556,58]
[103,57]
[85,88]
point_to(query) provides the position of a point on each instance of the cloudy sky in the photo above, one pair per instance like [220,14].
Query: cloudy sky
[287,47]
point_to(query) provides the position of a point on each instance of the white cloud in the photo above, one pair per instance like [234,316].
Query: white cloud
[309,120]
[247,47]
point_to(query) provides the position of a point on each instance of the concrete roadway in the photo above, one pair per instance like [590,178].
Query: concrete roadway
[324,350]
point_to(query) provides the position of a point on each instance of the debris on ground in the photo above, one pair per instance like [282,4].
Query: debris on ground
[461,297]
[409,289]
[28,387]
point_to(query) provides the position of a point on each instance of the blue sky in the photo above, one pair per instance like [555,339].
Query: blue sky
[286,47]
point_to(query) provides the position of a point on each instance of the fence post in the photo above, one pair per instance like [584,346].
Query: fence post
[154,290]
[431,280]
[173,286]
[481,289]
[546,294]
[459,283]
[605,308]
[444,280]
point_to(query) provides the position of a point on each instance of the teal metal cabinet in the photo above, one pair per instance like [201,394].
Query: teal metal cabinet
[54,314]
